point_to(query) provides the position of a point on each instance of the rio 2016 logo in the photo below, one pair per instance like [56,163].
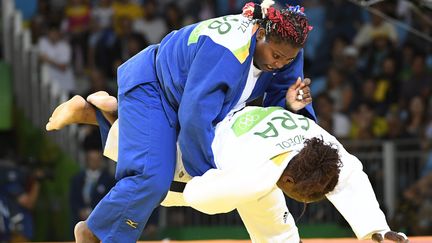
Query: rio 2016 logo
[247,121]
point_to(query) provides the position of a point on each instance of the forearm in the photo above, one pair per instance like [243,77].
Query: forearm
[28,199]
[221,191]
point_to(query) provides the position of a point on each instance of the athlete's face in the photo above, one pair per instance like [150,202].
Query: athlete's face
[270,56]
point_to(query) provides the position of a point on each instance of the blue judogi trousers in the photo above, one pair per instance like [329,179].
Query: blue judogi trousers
[145,168]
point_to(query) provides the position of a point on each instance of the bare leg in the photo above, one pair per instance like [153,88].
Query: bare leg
[83,234]
[106,103]
[75,110]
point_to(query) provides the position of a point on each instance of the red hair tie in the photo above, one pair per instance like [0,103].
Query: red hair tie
[248,10]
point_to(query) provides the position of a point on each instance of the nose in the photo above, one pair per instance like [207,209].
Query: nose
[278,65]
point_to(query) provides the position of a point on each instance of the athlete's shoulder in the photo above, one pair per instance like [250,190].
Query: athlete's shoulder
[233,32]
[273,119]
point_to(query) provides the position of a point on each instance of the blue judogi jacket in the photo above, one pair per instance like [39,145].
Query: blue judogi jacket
[203,70]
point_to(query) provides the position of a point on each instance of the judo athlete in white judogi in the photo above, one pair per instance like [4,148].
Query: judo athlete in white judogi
[252,148]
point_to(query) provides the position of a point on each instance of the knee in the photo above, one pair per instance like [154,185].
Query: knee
[160,185]
[82,231]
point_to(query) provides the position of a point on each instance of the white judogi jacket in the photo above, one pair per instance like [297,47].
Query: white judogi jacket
[252,148]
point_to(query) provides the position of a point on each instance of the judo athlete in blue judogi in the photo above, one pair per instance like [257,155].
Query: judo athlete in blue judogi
[179,90]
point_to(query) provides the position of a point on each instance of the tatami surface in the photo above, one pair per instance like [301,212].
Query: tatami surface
[424,239]
[421,239]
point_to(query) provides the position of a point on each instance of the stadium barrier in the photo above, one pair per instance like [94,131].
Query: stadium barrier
[34,92]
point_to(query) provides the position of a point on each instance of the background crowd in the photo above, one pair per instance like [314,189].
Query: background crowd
[371,79]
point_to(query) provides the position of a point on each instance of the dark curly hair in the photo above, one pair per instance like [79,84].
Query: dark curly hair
[315,169]
[286,25]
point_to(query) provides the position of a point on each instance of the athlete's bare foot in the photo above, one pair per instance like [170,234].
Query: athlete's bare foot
[75,110]
[105,103]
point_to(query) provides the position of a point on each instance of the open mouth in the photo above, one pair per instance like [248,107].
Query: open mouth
[269,68]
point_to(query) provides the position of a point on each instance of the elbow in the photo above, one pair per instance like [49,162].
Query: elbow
[200,202]
[194,202]
[189,122]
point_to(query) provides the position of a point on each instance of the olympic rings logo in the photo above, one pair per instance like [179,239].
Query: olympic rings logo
[247,121]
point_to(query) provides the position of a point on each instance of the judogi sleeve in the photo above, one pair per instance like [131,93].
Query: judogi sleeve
[275,93]
[355,199]
[221,191]
[213,73]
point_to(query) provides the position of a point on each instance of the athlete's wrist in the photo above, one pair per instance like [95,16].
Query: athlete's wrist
[289,107]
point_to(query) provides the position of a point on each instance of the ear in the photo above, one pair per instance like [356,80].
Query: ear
[260,34]
[287,179]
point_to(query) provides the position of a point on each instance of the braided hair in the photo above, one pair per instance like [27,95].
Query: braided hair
[286,25]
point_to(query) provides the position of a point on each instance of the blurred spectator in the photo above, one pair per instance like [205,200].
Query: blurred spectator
[56,56]
[57,5]
[151,26]
[90,185]
[327,58]
[388,83]
[381,91]
[174,17]
[337,51]
[77,21]
[77,17]
[339,89]
[39,22]
[407,52]
[416,213]
[340,21]
[404,14]
[126,44]
[366,125]
[332,121]
[109,50]
[366,94]
[396,126]
[330,54]
[101,36]
[125,9]
[379,49]
[201,10]
[315,10]
[19,191]
[98,82]
[343,18]
[207,9]
[416,121]
[418,81]
[349,67]
[102,14]
[225,7]
[370,30]
[428,145]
